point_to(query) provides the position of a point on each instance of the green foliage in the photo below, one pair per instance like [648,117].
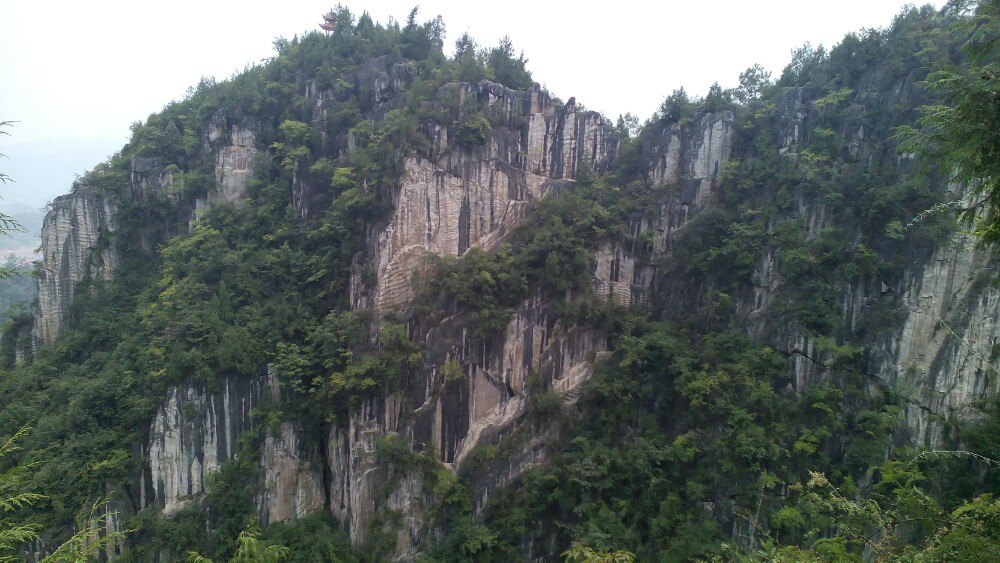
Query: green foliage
[249,549]
[959,129]
[314,537]
[294,148]
[833,99]
[92,538]
[14,499]
[471,131]
[332,368]
[676,106]
[717,99]
[579,553]
[896,520]
[18,289]
[470,60]
[754,83]
[452,371]
[507,69]
[673,421]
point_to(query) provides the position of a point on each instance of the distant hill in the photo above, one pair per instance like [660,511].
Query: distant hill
[24,243]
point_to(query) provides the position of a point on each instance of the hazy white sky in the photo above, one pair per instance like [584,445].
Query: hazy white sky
[89,69]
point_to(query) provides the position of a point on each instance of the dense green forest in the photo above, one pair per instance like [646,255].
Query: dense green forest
[692,441]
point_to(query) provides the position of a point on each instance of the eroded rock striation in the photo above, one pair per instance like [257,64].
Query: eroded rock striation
[293,475]
[72,251]
[942,357]
[452,416]
[194,432]
[470,196]
[466,193]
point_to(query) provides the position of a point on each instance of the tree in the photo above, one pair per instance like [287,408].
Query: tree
[249,549]
[14,534]
[963,129]
[580,553]
[507,69]
[469,59]
[677,105]
[628,126]
[82,546]
[806,65]
[717,99]
[754,81]
[7,223]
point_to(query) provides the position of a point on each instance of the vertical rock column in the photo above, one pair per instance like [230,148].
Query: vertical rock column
[193,433]
[71,233]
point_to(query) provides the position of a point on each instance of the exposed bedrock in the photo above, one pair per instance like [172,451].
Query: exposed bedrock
[71,233]
[194,432]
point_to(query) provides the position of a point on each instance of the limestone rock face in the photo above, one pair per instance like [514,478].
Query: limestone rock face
[692,155]
[23,344]
[942,355]
[293,476]
[147,176]
[193,433]
[619,276]
[381,81]
[453,416]
[71,233]
[354,471]
[471,196]
[234,143]
[793,111]
[234,166]
[685,163]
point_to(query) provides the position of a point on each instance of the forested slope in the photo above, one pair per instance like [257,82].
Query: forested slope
[385,303]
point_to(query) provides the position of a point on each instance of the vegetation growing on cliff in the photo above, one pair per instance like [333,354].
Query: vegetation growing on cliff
[959,130]
[693,440]
[246,286]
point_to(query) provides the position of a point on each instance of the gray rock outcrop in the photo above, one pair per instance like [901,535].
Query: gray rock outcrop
[471,196]
[293,476]
[194,432]
[459,196]
[72,250]
[943,356]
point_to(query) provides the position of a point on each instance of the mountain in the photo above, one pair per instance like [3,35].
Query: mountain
[387,304]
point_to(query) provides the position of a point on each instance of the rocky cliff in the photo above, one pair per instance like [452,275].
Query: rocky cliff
[943,356]
[293,483]
[77,233]
[937,349]
[72,250]
[195,430]
[468,197]
[467,394]
[461,198]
